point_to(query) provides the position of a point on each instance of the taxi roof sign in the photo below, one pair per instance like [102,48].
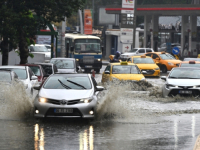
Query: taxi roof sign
[163,52]
[124,63]
[192,62]
[143,56]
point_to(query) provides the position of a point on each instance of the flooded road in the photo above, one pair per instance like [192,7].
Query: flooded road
[126,119]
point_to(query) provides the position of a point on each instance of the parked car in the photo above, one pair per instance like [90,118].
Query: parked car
[136,52]
[38,71]
[40,49]
[73,96]
[25,74]
[65,65]
[164,60]
[48,68]
[182,81]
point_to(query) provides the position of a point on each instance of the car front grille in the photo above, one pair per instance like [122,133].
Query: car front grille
[58,102]
[149,71]
[175,92]
[88,59]
[51,112]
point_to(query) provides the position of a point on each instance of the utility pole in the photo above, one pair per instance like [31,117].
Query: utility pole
[63,51]
[134,22]
[93,13]
[81,20]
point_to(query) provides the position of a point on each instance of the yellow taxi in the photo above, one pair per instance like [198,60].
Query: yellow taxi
[164,60]
[190,63]
[122,71]
[146,63]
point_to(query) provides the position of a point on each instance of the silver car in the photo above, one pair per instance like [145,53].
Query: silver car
[67,96]
[182,81]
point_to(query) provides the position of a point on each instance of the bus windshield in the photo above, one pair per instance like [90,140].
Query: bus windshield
[87,46]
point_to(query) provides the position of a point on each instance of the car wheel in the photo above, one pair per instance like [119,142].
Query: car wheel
[97,70]
[163,69]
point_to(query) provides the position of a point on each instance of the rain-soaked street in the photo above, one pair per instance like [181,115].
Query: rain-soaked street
[127,119]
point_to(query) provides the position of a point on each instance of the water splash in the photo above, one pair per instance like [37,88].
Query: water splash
[15,104]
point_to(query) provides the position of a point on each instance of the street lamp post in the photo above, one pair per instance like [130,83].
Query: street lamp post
[134,22]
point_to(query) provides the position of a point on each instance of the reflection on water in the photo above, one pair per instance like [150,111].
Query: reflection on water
[86,139]
[193,125]
[175,134]
[39,138]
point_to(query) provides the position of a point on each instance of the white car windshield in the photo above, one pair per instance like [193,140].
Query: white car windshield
[21,73]
[68,82]
[185,73]
[125,69]
[133,51]
[5,76]
[63,64]
[143,61]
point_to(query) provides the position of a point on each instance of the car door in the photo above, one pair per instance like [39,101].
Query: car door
[156,59]
[105,77]
[140,52]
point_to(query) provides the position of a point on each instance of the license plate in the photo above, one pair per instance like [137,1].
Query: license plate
[88,66]
[63,110]
[185,92]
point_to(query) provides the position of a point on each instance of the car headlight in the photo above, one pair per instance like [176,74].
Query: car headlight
[143,79]
[171,64]
[77,59]
[85,100]
[98,59]
[157,68]
[170,85]
[42,100]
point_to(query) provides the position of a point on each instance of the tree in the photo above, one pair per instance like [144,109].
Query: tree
[26,25]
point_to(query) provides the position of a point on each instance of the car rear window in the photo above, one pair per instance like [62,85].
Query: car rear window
[143,61]
[36,70]
[125,69]
[47,69]
[63,64]
[21,73]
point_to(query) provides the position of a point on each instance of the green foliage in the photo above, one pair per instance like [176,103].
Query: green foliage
[30,54]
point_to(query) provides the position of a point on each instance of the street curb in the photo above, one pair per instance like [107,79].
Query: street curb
[197,144]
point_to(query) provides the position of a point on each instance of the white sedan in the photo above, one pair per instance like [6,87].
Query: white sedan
[25,74]
[182,81]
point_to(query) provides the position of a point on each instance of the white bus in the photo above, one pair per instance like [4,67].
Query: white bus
[86,49]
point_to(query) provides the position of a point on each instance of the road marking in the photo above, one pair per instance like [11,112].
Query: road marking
[197,144]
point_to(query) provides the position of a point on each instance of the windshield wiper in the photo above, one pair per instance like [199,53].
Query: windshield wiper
[65,86]
[76,84]
[173,77]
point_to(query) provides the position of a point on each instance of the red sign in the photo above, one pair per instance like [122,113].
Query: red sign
[88,21]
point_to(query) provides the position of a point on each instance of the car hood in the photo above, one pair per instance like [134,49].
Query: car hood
[66,71]
[128,76]
[174,61]
[147,66]
[183,82]
[65,94]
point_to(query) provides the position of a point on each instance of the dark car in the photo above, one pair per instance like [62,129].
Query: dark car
[38,71]
[49,68]
[65,65]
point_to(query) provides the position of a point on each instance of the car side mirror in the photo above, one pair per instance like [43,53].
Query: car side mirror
[107,72]
[72,48]
[163,78]
[99,88]
[36,87]
[34,78]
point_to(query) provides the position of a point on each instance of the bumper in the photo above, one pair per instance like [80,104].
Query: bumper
[79,110]
[156,73]
[195,92]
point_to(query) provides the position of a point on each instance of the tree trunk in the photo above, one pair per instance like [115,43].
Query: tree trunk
[23,48]
[4,48]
